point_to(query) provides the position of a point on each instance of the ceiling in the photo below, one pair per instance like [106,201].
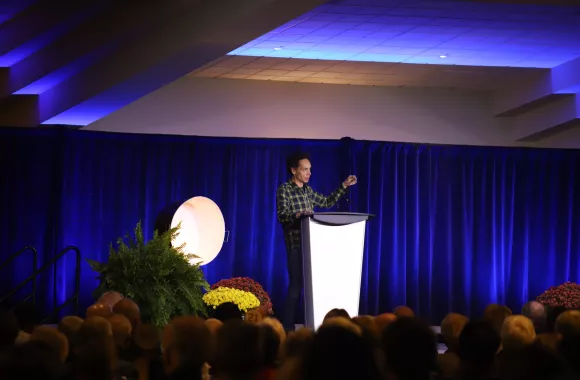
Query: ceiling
[527,56]
[528,2]
[73,63]
[427,32]
[366,73]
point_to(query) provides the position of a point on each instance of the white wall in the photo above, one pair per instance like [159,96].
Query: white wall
[272,109]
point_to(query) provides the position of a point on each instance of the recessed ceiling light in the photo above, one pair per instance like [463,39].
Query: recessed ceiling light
[278,48]
[443,56]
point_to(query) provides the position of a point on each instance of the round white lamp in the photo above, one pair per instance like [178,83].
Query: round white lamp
[202,229]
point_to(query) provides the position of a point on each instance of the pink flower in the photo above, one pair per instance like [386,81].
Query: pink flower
[565,295]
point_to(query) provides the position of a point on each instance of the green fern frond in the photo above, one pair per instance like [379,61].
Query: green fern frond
[155,274]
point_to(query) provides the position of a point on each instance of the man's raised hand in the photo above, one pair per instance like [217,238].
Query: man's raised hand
[351,180]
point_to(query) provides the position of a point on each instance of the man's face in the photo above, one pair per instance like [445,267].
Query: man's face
[302,172]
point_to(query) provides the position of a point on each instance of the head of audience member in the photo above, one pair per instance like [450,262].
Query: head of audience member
[296,343]
[253,316]
[276,325]
[53,338]
[147,337]
[70,327]
[549,341]
[532,362]
[186,343]
[213,325]
[383,320]
[26,315]
[517,331]
[344,323]
[568,327]
[479,342]
[30,360]
[404,312]
[99,310]
[336,313]
[122,330]
[370,331]
[366,318]
[270,346]
[495,314]
[537,314]
[339,353]
[95,328]
[95,360]
[227,311]
[110,298]
[451,328]
[239,353]
[9,329]
[568,324]
[129,309]
[410,349]
[95,335]
[552,315]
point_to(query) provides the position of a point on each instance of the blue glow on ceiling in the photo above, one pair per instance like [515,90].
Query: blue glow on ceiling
[83,114]
[32,46]
[116,97]
[99,106]
[10,8]
[58,76]
[444,33]
[571,89]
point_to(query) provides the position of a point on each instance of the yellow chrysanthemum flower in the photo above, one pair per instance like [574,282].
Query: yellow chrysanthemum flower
[244,300]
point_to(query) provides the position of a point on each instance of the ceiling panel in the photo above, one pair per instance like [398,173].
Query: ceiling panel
[481,78]
[428,32]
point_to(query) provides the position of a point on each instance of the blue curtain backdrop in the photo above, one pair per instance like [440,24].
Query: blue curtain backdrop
[456,227]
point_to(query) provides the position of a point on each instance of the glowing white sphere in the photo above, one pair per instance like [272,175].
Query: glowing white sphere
[202,229]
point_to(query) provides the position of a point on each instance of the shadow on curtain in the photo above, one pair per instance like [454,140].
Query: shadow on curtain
[456,227]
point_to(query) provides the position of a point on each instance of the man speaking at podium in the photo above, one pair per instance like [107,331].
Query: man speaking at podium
[295,198]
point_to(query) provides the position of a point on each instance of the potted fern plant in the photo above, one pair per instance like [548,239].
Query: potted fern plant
[156,275]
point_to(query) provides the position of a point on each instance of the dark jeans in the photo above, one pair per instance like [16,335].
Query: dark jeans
[295,272]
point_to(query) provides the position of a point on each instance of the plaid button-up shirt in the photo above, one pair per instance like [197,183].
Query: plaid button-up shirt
[291,200]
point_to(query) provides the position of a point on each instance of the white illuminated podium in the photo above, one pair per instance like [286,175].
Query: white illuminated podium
[332,251]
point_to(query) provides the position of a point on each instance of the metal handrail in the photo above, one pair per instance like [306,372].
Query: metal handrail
[32,278]
[74,297]
[55,312]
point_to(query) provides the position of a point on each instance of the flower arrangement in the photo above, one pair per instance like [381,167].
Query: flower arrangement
[248,285]
[565,295]
[244,300]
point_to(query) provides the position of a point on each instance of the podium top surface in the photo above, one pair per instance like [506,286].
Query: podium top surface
[340,218]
